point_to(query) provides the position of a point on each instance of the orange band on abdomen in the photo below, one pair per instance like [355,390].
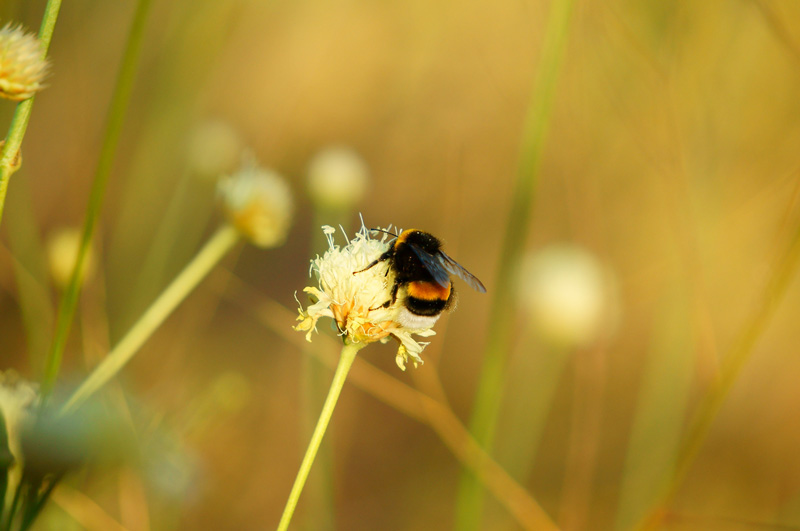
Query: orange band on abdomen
[428,291]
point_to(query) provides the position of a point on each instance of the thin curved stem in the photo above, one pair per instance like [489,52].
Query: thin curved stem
[346,359]
[116,116]
[732,366]
[489,393]
[208,257]
[9,152]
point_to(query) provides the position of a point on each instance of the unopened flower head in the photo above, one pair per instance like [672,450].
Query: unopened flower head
[337,178]
[355,297]
[570,295]
[22,66]
[259,203]
[213,149]
[62,251]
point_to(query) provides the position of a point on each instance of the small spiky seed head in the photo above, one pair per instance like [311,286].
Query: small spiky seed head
[22,64]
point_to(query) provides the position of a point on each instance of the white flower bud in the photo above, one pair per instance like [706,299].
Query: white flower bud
[337,179]
[22,66]
[213,149]
[18,399]
[570,296]
[62,250]
[258,202]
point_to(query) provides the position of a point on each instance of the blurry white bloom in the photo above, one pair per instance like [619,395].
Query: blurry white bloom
[355,301]
[213,149]
[17,401]
[259,204]
[22,67]
[62,250]
[570,296]
[337,178]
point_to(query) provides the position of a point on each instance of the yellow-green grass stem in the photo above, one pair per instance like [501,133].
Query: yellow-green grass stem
[489,394]
[9,163]
[208,257]
[116,115]
[314,376]
[732,365]
[346,359]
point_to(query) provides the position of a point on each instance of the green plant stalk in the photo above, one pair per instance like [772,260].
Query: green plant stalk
[194,272]
[346,359]
[116,116]
[22,114]
[314,376]
[489,394]
[732,366]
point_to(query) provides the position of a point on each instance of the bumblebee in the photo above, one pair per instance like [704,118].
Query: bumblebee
[422,277]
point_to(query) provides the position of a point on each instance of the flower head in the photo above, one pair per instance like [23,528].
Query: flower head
[62,251]
[337,178]
[355,297]
[213,149]
[570,295]
[258,203]
[22,65]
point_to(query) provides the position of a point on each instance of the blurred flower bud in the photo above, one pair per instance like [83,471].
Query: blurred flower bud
[54,443]
[17,400]
[213,149]
[22,65]
[337,179]
[62,251]
[570,296]
[258,202]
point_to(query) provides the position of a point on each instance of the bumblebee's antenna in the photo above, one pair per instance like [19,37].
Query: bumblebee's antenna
[386,232]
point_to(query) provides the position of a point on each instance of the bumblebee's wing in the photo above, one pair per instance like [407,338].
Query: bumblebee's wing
[433,265]
[455,268]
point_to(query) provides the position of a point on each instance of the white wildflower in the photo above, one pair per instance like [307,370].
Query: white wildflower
[356,298]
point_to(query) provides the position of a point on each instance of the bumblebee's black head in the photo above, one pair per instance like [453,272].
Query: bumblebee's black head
[425,241]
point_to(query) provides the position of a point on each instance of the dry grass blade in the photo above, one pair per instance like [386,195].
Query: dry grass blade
[415,405]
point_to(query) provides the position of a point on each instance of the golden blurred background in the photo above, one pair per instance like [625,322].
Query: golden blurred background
[671,157]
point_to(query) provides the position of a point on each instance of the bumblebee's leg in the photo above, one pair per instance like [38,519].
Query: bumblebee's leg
[381,258]
[390,301]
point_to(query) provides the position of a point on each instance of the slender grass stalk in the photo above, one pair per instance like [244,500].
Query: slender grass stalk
[346,359]
[208,257]
[314,376]
[661,406]
[116,116]
[534,379]
[22,114]
[489,395]
[732,366]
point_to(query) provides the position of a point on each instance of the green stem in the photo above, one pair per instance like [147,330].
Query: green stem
[117,108]
[730,370]
[314,377]
[489,395]
[22,114]
[346,359]
[208,257]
